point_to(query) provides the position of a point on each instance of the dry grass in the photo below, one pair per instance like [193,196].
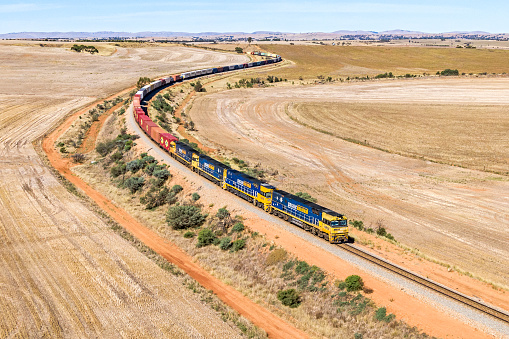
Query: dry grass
[335,61]
[446,133]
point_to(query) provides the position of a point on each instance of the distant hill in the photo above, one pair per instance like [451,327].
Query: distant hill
[242,35]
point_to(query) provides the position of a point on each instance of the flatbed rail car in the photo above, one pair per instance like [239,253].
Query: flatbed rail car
[312,217]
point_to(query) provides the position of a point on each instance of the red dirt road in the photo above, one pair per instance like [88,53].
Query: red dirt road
[261,317]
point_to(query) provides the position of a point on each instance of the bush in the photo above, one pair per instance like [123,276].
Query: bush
[225,243]
[78,157]
[239,50]
[189,234]
[289,298]
[155,198]
[238,244]
[117,156]
[222,213]
[118,170]
[381,232]
[276,256]
[195,196]
[449,72]
[357,224]
[162,174]
[176,189]
[381,315]
[205,237]
[238,227]
[134,183]
[184,216]
[104,148]
[135,165]
[354,283]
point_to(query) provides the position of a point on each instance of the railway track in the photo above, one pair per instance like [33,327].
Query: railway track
[439,288]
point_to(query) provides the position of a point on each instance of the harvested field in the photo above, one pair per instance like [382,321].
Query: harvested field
[455,215]
[344,61]
[63,271]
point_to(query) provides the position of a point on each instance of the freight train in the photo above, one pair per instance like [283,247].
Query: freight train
[312,217]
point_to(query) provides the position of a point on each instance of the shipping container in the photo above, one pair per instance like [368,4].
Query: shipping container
[215,70]
[155,133]
[148,126]
[165,140]
[142,118]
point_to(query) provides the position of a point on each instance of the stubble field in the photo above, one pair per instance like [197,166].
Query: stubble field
[63,271]
[452,214]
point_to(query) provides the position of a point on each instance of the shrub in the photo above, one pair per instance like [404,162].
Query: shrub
[162,174]
[222,213]
[189,234]
[148,159]
[63,150]
[134,183]
[389,236]
[104,148]
[289,298]
[176,189]
[171,198]
[449,72]
[276,256]
[381,315]
[238,227]
[135,165]
[205,237]
[195,196]
[239,50]
[381,232]
[302,267]
[184,216]
[238,244]
[118,170]
[225,243]
[354,283]
[116,156]
[78,157]
[357,224]
[155,198]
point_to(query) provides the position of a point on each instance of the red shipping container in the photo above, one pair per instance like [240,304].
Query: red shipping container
[165,139]
[155,133]
[142,119]
[148,125]
[138,112]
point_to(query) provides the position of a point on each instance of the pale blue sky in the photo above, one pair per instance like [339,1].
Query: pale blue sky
[248,16]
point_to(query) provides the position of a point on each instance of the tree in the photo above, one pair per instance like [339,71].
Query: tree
[198,87]
[239,50]
[354,283]
[449,72]
[184,216]
[225,243]
[289,298]
[249,40]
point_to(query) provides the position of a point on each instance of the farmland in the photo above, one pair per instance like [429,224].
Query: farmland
[64,272]
[451,214]
[351,61]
